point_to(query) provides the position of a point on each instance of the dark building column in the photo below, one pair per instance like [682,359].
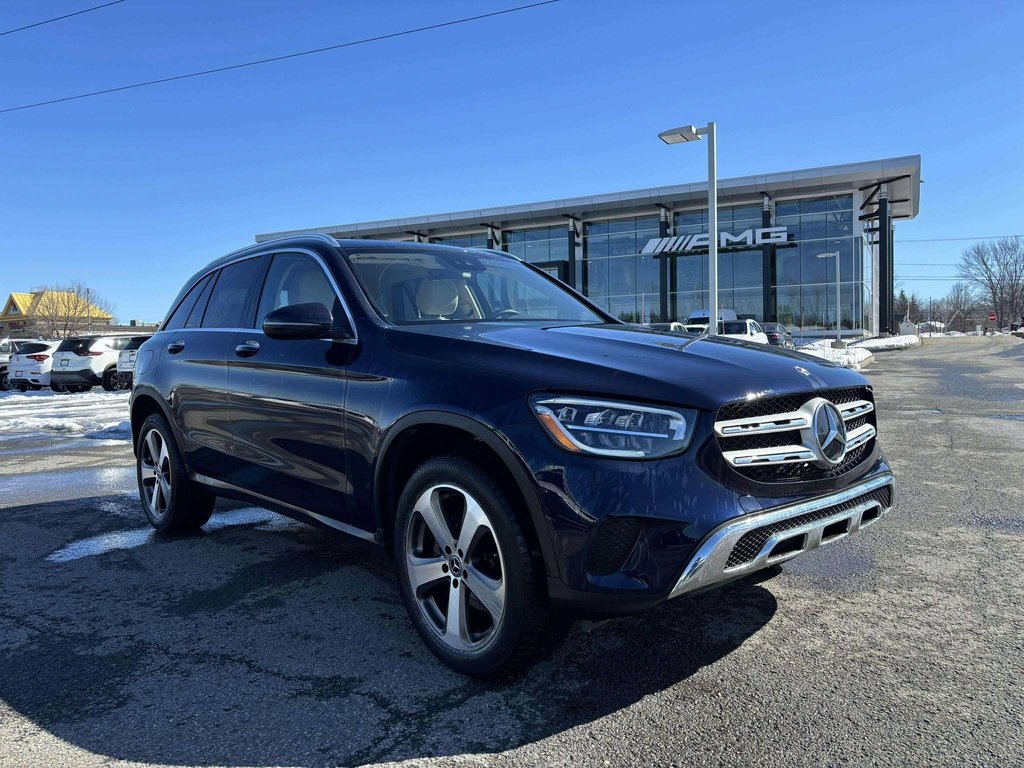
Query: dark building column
[663,269]
[493,239]
[769,307]
[885,279]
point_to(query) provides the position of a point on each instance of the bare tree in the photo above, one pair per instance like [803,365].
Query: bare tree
[61,311]
[997,268]
[959,305]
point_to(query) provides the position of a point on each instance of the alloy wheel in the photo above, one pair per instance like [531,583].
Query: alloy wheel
[455,567]
[155,473]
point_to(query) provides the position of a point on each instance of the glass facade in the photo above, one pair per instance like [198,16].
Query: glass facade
[539,245]
[475,240]
[615,276]
[821,231]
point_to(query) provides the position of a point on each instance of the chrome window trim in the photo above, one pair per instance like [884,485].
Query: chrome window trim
[707,566]
[271,253]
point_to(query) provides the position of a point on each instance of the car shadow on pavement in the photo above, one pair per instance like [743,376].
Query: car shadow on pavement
[265,642]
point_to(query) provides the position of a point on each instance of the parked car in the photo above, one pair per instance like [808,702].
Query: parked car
[747,330]
[82,362]
[779,335]
[7,348]
[700,316]
[126,360]
[29,367]
[522,454]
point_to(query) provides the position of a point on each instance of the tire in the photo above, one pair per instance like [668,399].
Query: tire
[5,382]
[80,388]
[490,577]
[110,381]
[172,501]
[58,388]
[22,388]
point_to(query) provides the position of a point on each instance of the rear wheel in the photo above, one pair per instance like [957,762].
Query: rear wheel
[111,382]
[5,382]
[174,503]
[471,585]
[58,387]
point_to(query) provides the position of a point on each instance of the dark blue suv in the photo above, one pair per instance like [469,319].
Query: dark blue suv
[516,450]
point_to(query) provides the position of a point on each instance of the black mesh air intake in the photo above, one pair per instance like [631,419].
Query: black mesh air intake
[613,544]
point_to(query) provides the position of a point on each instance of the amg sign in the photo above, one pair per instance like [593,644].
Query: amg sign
[746,238]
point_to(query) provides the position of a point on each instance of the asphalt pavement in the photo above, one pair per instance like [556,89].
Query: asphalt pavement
[262,642]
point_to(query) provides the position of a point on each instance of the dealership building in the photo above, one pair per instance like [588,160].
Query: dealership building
[642,254]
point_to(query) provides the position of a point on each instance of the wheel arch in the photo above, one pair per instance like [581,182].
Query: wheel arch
[143,406]
[417,437]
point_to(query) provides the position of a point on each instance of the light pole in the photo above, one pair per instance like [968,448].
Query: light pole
[839,338]
[685,133]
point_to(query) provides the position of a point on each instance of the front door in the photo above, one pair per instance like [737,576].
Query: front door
[288,396]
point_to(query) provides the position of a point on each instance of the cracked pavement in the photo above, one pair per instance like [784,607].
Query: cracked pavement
[264,642]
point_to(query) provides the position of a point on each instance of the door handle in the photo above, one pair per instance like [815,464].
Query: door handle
[175,347]
[247,348]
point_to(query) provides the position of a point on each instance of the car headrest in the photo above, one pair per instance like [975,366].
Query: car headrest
[437,298]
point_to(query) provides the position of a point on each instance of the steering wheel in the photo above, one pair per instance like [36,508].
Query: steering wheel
[505,313]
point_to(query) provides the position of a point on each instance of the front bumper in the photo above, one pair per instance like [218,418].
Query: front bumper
[79,376]
[748,544]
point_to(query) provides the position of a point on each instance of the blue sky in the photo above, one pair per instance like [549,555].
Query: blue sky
[132,192]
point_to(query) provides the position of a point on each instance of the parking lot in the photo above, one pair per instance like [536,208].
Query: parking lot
[261,642]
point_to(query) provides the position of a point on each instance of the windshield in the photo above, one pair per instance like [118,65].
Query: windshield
[409,287]
[733,327]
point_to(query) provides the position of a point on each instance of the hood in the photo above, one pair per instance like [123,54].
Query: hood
[625,361]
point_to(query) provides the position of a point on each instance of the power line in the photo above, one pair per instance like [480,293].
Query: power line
[59,18]
[283,57]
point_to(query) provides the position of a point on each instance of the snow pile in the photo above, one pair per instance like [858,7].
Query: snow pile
[851,357]
[95,414]
[890,342]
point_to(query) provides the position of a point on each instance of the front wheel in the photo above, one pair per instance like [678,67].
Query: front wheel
[471,584]
[5,382]
[174,503]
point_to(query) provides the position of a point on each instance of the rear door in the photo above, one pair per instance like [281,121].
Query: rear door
[287,396]
[193,365]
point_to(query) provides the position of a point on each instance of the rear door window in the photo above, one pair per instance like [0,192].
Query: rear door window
[229,303]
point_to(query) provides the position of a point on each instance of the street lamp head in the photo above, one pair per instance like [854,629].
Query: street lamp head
[679,135]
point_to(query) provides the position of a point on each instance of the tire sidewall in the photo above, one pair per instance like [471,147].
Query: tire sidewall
[166,522]
[514,555]
[110,383]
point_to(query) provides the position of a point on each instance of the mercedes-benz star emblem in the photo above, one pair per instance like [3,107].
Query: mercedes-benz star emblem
[829,433]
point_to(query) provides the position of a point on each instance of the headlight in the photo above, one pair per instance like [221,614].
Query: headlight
[606,428]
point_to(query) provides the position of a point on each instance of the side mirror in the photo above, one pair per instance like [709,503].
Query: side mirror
[300,321]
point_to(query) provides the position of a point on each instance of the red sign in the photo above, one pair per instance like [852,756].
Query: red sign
[992,317]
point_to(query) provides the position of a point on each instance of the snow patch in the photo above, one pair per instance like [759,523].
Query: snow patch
[99,415]
[889,342]
[851,357]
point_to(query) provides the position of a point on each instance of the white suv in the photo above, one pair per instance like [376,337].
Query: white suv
[126,360]
[7,348]
[82,362]
[748,330]
[29,367]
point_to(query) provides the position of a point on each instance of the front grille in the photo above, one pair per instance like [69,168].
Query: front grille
[750,544]
[792,472]
[613,543]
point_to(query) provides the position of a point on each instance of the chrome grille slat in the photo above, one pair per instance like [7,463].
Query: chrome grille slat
[768,439]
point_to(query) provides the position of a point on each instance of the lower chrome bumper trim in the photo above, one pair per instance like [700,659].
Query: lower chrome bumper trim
[708,566]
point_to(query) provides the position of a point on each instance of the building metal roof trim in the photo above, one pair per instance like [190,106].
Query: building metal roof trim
[832,178]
